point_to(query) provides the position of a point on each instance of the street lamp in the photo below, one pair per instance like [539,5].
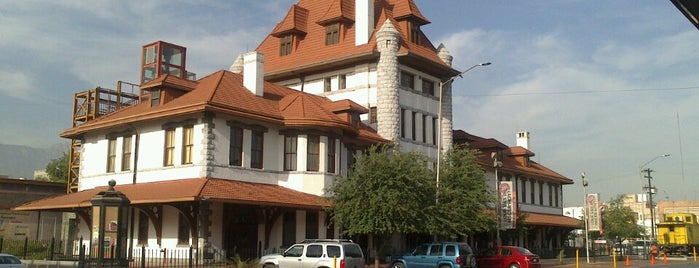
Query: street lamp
[497,164]
[586,215]
[643,210]
[439,117]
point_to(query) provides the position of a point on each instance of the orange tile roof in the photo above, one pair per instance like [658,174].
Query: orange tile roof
[551,220]
[510,161]
[310,52]
[223,92]
[187,190]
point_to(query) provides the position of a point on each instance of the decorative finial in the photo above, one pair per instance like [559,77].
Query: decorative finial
[112,182]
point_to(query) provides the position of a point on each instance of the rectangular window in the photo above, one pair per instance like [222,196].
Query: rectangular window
[111,155]
[428,87]
[285,45]
[183,231]
[541,193]
[342,81]
[331,155]
[424,128]
[187,144]
[235,153]
[402,123]
[290,146]
[126,154]
[312,225]
[154,98]
[413,120]
[407,80]
[550,194]
[327,84]
[372,115]
[435,122]
[332,34]
[313,157]
[169,154]
[257,147]
[532,187]
[142,228]
[289,228]
[414,32]
[555,195]
[524,191]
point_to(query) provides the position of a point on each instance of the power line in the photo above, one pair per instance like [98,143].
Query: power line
[560,92]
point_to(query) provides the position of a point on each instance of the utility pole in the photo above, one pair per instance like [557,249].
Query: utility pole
[650,192]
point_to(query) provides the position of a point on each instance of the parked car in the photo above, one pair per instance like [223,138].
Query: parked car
[437,255]
[10,261]
[508,256]
[641,247]
[317,253]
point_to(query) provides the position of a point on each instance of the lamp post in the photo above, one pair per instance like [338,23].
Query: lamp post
[586,215]
[109,216]
[643,210]
[497,164]
[439,118]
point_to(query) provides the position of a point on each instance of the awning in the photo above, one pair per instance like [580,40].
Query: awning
[551,220]
[188,190]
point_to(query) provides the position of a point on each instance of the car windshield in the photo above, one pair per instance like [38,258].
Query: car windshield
[524,251]
[9,260]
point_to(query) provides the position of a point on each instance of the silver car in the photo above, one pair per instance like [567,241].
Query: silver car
[10,261]
[317,253]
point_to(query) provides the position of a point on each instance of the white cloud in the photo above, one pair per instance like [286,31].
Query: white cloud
[16,84]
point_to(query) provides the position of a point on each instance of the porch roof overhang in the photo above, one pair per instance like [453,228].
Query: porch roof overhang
[187,190]
[552,220]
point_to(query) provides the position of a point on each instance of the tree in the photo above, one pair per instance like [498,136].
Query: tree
[619,221]
[388,192]
[57,169]
[464,196]
[385,192]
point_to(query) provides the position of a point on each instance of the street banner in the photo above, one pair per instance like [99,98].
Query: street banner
[593,214]
[508,206]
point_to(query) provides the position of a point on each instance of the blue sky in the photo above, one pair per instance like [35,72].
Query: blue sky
[602,86]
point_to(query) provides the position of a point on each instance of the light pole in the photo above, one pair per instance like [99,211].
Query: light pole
[497,164]
[586,215]
[439,118]
[643,210]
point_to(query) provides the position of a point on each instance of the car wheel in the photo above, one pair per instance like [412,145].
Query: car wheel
[397,265]
[472,262]
[514,265]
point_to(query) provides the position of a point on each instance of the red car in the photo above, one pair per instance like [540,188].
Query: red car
[508,257]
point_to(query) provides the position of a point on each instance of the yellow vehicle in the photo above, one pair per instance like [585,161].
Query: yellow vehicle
[678,234]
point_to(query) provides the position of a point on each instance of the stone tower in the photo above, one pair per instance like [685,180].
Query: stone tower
[388,109]
[447,125]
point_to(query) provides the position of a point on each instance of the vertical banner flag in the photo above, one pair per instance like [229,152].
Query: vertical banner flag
[593,214]
[508,206]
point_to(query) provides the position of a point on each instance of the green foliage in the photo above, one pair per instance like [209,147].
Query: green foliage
[463,196]
[237,262]
[386,191]
[619,221]
[57,169]
[389,191]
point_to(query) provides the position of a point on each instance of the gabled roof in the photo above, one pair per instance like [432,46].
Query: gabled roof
[223,92]
[310,52]
[294,22]
[188,190]
[510,157]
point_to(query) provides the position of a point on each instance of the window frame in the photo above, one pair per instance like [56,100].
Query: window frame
[286,44]
[169,148]
[312,153]
[407,80]
[290,152]
[126,153]
[257,148]
[235,147]
[187,144]
[111,155]
[183,227]
[428,87]
[330,151]
[332,34]
[142,228]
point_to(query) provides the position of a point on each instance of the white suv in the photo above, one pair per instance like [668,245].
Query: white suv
[317,253]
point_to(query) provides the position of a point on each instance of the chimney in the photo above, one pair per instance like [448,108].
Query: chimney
[363,21]
[523,139]
[254,72]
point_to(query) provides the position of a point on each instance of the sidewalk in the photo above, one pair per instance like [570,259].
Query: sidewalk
[606,261]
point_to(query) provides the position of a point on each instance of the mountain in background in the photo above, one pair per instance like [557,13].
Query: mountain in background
[18,161]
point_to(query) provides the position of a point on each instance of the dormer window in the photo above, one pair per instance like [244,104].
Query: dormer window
[414,30]
[285,44]
[332,34]
[154,98]
[354,117]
